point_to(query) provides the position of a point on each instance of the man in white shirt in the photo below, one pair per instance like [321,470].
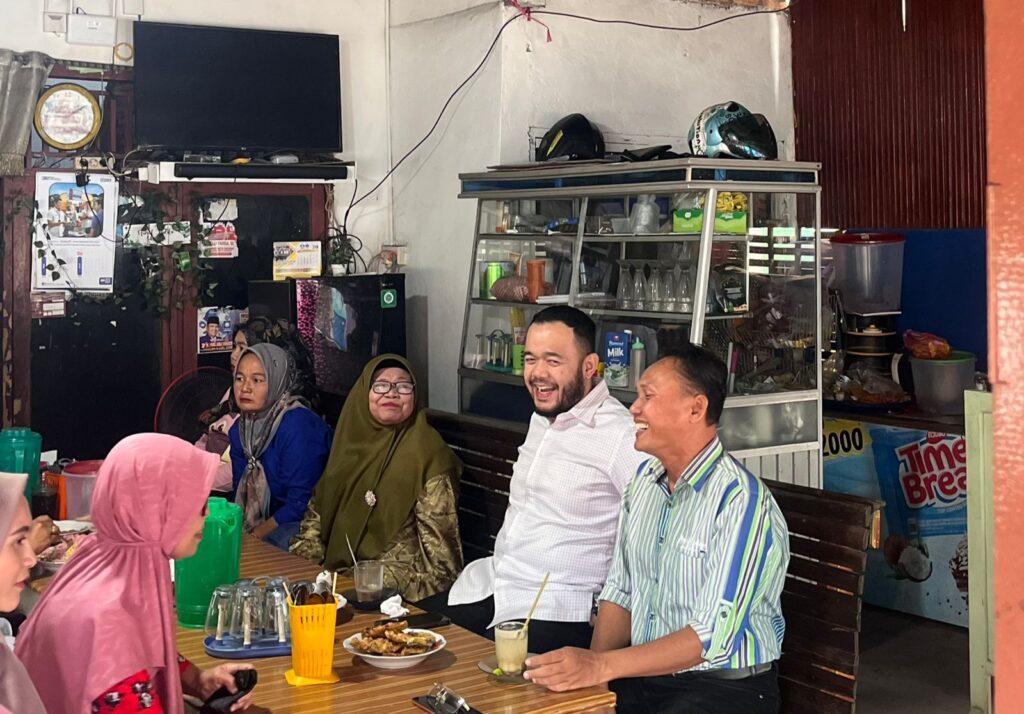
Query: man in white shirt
[564,496]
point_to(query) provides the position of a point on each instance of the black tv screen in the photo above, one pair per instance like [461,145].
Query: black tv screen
[226,88]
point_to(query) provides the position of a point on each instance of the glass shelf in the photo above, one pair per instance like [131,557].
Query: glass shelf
[505,303]
[537,237]
[659,237]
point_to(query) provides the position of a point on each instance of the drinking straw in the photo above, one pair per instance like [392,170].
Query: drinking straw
[535,601]
[350,551]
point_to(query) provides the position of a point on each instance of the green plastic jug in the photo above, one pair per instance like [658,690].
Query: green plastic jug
[215,563]
[20,450]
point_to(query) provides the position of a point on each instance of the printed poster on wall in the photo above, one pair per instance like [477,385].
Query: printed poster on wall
[921,476]
[78,226]
[296,259]
[223,241]
[216,328]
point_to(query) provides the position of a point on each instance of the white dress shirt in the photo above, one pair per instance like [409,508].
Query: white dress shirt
[562,516]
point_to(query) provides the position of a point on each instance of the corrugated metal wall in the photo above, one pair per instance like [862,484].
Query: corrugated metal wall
[897,119]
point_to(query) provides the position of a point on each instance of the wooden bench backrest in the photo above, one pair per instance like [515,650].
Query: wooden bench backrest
[821,601]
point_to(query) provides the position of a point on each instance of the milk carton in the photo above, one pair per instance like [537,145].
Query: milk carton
[616,359]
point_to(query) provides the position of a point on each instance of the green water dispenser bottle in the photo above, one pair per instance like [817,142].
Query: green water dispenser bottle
[215,563]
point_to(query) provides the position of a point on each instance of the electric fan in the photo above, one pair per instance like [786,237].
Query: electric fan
[187,398]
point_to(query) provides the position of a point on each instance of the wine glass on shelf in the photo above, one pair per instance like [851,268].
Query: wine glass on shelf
[624,294]
[669,297]
[654,290]
[684,291]
[639,288]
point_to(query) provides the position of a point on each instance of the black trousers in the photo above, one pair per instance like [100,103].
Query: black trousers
[697,693]
[545,635]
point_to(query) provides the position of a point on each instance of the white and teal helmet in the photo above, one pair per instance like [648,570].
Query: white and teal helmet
[730,129]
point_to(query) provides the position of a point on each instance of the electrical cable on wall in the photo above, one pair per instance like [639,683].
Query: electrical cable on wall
[528,13]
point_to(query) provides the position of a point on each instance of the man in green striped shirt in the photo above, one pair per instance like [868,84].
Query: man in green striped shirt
[690,619]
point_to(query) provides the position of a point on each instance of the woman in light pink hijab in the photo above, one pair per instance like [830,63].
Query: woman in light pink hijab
[16,560]
[104,629]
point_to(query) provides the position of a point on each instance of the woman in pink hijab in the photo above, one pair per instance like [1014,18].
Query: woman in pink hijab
[17,694]
[101,638]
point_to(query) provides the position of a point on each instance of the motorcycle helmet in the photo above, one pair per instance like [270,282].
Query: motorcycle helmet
[729,129]
[573,136]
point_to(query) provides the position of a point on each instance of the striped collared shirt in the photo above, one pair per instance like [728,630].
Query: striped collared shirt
[712,555]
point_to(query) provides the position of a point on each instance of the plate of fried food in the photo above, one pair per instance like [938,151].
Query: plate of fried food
[53,558]
[394,645]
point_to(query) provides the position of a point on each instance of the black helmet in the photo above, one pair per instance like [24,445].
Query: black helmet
[573,136]
[729,129]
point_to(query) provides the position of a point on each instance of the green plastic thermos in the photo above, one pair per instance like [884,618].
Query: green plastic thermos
[215,563]
[20,450]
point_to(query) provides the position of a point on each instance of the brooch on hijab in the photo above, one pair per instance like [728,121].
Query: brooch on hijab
[370,498]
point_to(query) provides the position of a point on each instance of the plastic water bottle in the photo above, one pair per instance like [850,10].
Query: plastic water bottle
[637,362]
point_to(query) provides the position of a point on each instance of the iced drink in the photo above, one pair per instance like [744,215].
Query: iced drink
[510,642]
[369,577]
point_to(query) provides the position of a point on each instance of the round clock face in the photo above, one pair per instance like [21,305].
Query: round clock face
[67,116]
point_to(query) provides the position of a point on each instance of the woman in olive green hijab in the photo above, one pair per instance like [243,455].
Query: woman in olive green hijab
[389,485]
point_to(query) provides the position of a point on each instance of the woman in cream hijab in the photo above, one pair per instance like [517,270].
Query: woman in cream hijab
[17,694]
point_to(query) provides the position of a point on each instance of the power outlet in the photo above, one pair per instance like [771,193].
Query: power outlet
[402,251]
[92,163]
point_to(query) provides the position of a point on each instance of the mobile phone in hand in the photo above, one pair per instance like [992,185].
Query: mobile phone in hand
[423,621]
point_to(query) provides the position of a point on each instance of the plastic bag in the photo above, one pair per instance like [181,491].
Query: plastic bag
[925,345]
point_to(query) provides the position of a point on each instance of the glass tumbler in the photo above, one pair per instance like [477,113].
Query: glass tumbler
[276,622]
[246,615]
[219,613]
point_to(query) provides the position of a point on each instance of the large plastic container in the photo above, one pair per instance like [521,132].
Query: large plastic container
[215,563]
[20,450]
[79,482]
[939,384]
[869,271]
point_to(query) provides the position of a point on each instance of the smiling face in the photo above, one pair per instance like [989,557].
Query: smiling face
[239,345]
[251,386]
[212,328]
[667,410]
[16,559]
[557,372]
[392,407]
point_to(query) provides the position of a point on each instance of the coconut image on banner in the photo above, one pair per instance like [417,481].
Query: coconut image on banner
[921,477]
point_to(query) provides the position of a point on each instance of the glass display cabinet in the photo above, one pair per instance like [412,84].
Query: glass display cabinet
[722,253]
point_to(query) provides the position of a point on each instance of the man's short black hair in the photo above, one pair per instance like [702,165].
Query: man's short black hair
[704,371]
[579,322]
[213,320]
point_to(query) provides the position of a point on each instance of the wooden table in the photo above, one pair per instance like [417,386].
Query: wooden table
[368,689]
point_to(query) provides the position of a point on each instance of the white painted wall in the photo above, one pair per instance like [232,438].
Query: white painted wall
[633,81]
[630,81]
[361,24]
[431,53]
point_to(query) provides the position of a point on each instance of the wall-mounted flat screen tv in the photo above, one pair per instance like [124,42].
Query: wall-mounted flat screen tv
[235,89]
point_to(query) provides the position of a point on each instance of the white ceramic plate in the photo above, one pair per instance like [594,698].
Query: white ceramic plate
[401,662]
[73,526]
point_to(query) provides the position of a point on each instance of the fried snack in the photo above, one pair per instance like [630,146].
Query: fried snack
[393,640]
[369,633]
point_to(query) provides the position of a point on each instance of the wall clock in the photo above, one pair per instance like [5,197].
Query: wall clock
[68,116]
